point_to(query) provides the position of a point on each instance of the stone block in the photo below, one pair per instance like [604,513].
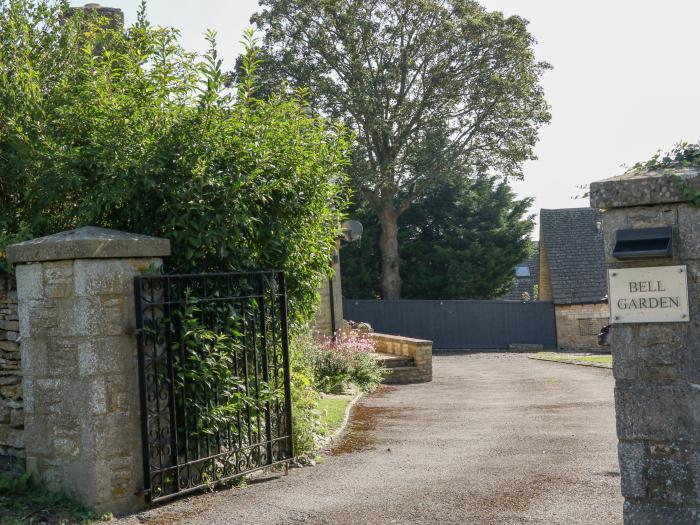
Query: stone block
[689,231]
[9,325]
[10,365]
[98,277]
[30,281]
[62,357]
[38,432]
[651,353]
[11,391]
[4,413]
[49,397]
[109,436]
[17,418]
[50,357]
[656,413]
[645,513]
[28,394]
[57,279]
[104,315]
[79,480]
[9,346]
[121,395]
[11,437]
[107,355]
[669,475]
[87,396]
[39,318]
[9,378]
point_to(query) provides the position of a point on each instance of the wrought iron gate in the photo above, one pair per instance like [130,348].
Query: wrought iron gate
[214,378]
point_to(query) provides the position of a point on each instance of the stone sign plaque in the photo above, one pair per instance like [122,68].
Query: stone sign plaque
[649,295]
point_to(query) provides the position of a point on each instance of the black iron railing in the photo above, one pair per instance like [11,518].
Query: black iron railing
[214,378]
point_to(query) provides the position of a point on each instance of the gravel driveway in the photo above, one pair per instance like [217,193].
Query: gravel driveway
[494,439]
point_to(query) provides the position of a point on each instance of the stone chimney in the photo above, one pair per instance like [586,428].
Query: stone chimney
[114,15]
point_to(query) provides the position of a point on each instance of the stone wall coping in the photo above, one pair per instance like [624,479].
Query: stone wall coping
[401,339]
[89,242]
[642,188]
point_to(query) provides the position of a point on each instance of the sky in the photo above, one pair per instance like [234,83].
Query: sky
[624,82]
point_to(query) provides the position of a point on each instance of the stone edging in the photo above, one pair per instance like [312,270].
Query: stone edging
[579,363]
[328,440]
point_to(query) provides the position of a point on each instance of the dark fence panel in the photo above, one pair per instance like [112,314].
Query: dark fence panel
[455,325]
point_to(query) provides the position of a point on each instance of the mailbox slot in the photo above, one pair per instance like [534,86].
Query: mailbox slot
[644,243]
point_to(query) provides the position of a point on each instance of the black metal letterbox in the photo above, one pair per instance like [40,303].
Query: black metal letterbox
[643,243]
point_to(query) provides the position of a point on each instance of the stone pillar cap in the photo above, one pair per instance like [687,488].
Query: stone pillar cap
[643,188]
[89,242]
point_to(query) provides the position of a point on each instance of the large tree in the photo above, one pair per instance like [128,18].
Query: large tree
[434,89]
[461,241]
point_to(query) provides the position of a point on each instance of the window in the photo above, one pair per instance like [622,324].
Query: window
[522,271]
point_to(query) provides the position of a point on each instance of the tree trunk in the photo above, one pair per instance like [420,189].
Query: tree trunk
[389,248]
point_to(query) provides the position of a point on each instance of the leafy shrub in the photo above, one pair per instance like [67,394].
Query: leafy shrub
[306,418]
[206,375]
[332,369]
[367,373]
[125,129]
[23,501]
[346,360]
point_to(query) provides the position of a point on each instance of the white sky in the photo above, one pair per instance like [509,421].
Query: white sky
[625,80]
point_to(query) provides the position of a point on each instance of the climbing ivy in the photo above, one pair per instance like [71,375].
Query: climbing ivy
[682,155]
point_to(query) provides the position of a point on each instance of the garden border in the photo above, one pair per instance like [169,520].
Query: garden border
[579,363]
[327,441]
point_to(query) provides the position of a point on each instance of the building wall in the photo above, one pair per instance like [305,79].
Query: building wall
[323,324]
[578,324]
[12,452]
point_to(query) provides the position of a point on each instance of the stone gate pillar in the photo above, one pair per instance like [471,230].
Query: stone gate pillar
[79,361]
[654,282]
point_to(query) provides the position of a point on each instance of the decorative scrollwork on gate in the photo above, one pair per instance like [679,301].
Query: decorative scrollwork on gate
[214,378]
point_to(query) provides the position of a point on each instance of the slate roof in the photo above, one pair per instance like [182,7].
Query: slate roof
[525,284]
[573,243]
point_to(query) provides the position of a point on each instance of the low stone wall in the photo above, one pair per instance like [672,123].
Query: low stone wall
[419,349]
[578,325]
[12,452]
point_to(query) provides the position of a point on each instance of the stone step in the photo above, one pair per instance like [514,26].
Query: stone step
[394,361]
[403,375]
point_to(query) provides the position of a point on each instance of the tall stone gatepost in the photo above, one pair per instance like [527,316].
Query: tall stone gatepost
[652,237]
[82,428]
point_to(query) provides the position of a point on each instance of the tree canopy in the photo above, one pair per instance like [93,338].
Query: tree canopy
[126,129]
[461,241]
[434,90]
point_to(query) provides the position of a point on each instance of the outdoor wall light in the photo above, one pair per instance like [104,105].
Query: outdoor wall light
[643,243]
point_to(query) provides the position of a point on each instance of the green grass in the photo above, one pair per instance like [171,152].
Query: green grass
[24,503]
[552,356]
[333,411]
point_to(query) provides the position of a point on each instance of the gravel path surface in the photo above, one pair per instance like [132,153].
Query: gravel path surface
[494,439]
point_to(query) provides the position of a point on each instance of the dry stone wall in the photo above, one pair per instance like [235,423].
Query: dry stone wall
[12,453]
